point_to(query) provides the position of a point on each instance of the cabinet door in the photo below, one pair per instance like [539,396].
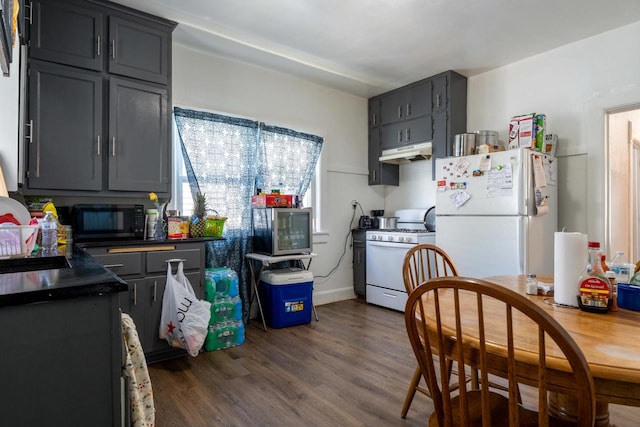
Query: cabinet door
[374,112]
[441,146]
[155,287]
[392,135]
[138,51]
[64,142]
[139,146]
[417,130]
[419,100]
[132,303]
[67,33]
[439,96]
[392,107]
[359,260]
[380,173]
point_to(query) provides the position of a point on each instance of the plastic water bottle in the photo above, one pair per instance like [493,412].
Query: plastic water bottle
[620,266]
[49,233]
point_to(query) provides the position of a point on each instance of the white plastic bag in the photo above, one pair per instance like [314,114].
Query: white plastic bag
[185,318]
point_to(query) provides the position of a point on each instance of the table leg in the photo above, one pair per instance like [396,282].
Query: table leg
[254,285]
[565,407]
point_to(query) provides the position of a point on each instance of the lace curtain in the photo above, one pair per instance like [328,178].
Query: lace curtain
[227,159]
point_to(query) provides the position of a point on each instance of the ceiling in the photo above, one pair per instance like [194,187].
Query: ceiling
[367,47]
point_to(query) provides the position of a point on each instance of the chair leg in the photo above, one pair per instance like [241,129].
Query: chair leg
[415,380]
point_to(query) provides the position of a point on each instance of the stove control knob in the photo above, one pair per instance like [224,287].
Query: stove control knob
[403,239]
[379,237]
[390,238]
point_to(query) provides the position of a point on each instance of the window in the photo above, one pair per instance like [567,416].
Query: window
[278,147]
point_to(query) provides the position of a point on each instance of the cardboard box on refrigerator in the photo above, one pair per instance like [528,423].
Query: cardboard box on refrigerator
[521,131]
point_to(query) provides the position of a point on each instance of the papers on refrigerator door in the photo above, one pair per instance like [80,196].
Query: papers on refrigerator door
[459,198]
[500,181]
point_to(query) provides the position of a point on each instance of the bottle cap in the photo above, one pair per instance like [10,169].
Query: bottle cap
[610,274]
[594,245]
[532,276]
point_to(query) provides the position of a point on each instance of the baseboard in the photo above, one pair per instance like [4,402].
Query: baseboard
[333,295]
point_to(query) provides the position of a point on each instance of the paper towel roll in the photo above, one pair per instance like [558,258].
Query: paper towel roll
[569,259]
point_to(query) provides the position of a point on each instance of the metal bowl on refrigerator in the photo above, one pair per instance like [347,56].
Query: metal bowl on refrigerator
[464,144]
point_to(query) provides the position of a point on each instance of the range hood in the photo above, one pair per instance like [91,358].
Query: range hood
[406,154]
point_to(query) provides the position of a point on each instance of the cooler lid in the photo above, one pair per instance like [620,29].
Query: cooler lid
[286,276]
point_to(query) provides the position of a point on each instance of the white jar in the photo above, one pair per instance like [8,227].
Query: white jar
[532,284]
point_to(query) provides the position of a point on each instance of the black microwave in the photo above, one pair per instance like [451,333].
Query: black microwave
[103,222]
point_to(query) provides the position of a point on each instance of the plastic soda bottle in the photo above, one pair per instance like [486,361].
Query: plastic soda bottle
[49,233]
[620,266]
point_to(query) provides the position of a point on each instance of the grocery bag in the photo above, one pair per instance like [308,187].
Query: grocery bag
[185,318]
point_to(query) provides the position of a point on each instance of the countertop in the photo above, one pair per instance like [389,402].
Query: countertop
[85,277]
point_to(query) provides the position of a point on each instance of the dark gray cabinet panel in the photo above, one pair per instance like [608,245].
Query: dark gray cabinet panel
[130,139]
[67,33]
[406,103]
[374,112]
[64,136]
[139,151]
[359,262]
[138,51]
[144,267]
[61,363]
[418,102]
[392,107]
[406,132]
[380,173]
[439,95]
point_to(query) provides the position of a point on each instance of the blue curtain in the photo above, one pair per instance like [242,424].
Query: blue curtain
[287,159]
[226,159]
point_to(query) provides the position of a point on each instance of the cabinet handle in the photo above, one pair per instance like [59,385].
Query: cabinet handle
[407,134]
[399,136]
[155,288]
[98,45]
[399,111]
[374,120]
[113,49]
[408,110]
[438,101]
[135,294]
[30,136]
[30,7]
[113,148]
[359,261]
[374,175]
[175,260]
[98,145]
[113,265]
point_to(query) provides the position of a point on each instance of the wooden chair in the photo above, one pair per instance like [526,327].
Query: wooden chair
[421,263]
[446,317]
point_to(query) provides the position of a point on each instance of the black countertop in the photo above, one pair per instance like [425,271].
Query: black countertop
[84,277]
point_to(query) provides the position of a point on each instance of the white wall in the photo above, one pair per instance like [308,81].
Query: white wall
[211,83]
[9,123]
[574,86]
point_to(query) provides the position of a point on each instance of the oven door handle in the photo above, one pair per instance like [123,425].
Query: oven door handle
[395,245]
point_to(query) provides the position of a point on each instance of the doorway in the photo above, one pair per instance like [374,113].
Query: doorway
[622,156]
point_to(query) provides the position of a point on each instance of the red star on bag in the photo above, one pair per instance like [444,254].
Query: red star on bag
[170,327]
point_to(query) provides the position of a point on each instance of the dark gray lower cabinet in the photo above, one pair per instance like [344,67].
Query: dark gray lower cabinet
[359,262]
[64,134]
[61,363]
[144,268]
[380,173]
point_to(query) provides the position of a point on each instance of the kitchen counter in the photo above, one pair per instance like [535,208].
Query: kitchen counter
[83,277]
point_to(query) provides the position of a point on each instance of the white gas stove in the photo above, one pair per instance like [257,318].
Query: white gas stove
[386,250]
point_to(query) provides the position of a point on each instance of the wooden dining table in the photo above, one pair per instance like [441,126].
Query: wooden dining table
[610,342]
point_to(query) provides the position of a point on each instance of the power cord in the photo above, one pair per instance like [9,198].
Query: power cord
[346,239]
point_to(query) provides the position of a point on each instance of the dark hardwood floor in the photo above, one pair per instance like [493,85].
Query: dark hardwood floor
[351,368]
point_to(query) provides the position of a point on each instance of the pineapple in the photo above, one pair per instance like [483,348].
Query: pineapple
[198,221]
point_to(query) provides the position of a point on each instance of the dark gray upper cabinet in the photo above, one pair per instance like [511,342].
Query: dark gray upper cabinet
[380,173]
[67,33]
[433,109]
[99,100]
[139,150]
[64,133]
[406,103]
[138,51]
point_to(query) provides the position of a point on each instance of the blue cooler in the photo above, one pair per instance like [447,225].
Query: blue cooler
[287,296]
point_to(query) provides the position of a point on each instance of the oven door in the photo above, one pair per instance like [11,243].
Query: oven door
[384,264]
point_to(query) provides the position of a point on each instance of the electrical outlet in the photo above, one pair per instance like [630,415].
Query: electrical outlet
[354,203]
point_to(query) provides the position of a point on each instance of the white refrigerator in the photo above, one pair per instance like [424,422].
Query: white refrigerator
[497,213]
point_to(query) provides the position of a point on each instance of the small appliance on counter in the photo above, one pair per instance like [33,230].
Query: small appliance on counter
[282,231]
[107,222]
